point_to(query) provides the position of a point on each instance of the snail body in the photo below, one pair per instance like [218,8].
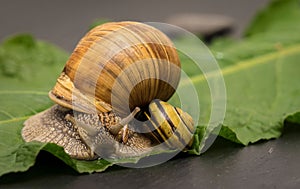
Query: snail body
[83,136]
[115,73]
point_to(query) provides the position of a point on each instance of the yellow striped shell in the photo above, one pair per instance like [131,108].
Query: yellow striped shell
[170,124]
[119,66]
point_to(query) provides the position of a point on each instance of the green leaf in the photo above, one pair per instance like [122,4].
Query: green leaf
[27,71]
[281,16]
[15,155]
[295,118]
[261,73]
[79,165]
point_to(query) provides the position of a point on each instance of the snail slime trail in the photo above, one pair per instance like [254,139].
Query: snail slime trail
[88,123]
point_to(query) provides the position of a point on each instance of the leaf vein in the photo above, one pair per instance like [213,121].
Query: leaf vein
[7,114]
[24,92]
[16,119]
[249,63]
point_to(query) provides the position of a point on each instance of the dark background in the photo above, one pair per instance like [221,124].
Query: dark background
[65,22]
[266,164]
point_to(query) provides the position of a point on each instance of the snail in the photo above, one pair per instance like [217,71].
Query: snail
[169,124]
[118,71]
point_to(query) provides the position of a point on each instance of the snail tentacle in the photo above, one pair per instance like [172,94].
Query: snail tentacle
[115,129]
[125,133]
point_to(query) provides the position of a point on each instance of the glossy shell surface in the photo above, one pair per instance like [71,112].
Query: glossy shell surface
[119,66]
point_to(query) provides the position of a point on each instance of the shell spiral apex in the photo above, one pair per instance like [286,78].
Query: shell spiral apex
[119,66]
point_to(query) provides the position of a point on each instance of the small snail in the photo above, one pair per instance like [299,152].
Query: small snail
[114,74]
[170,124]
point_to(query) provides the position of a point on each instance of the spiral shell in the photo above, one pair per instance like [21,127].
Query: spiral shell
[119,66]
[170,124]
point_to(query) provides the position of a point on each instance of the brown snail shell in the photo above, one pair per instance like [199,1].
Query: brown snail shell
[104,54]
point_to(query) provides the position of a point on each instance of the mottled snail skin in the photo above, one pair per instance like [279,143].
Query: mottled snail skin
[106,52]
[53,125]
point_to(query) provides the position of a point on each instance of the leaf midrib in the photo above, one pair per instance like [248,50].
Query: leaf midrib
[242,65]
[15,119]
[23,92]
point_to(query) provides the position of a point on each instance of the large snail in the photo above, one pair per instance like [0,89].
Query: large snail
[118,71]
